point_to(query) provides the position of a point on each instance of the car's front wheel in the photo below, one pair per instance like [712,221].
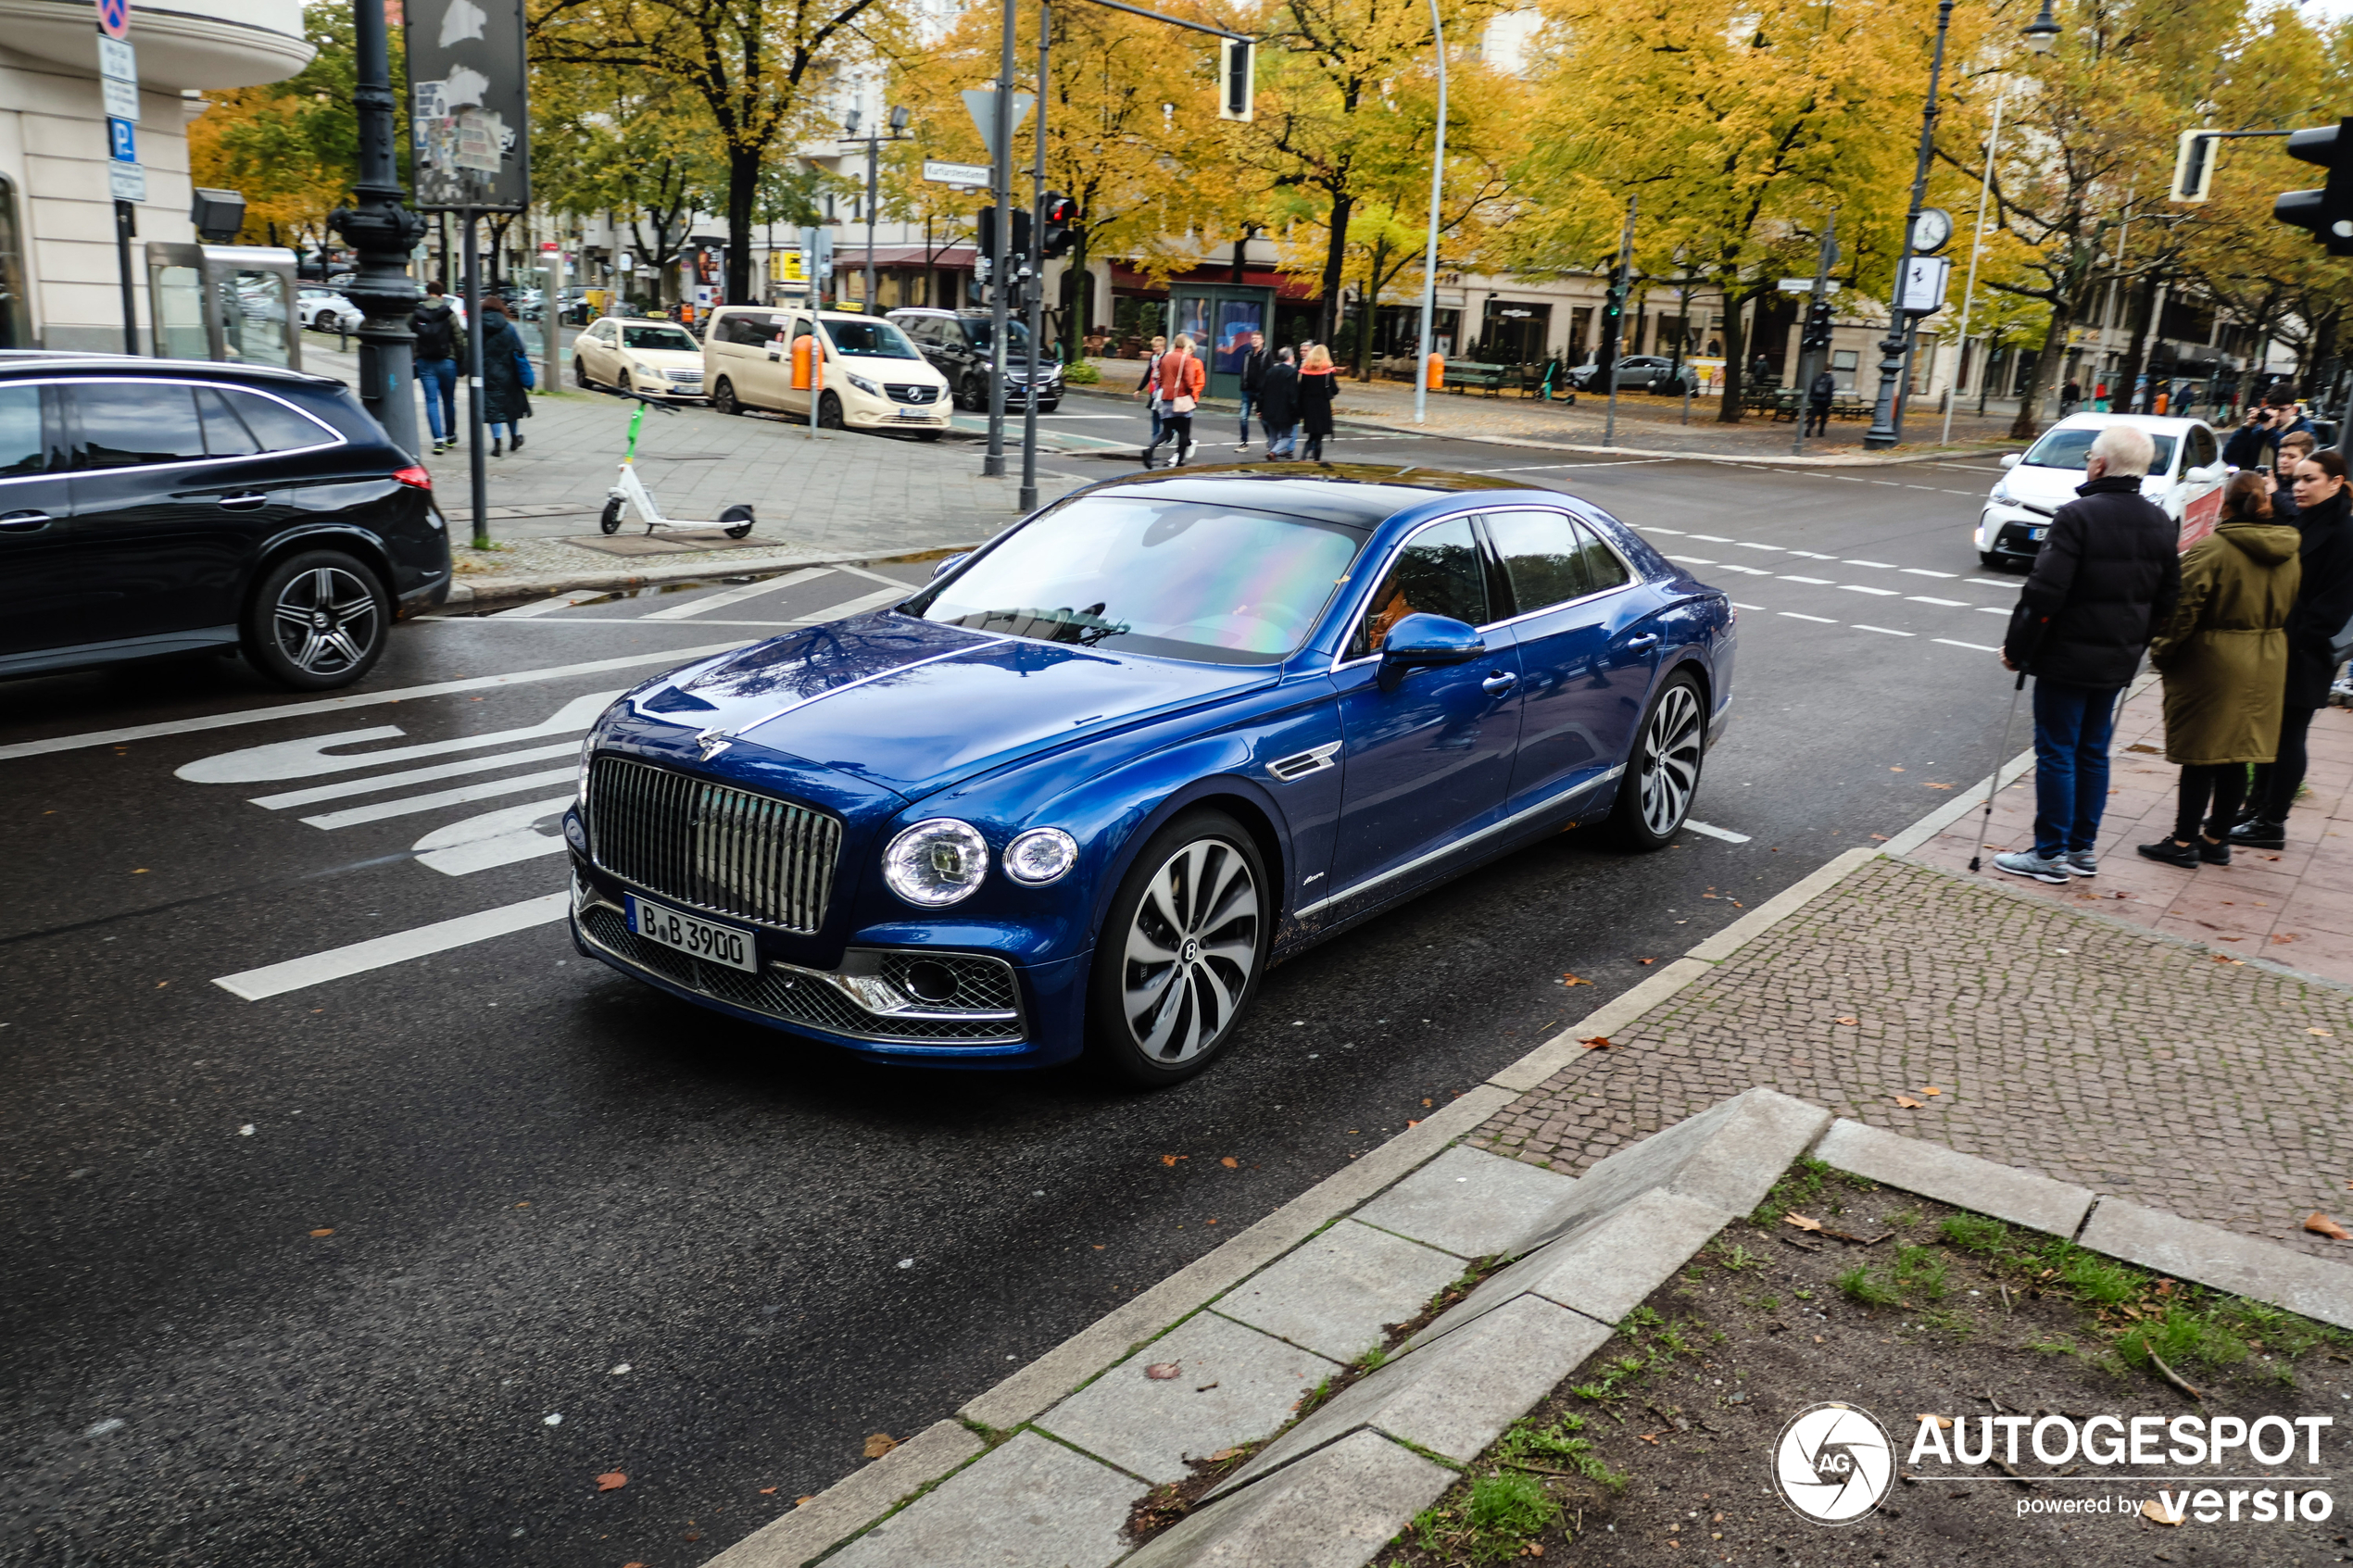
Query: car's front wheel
[1662,776]
[828,411]
[318,621]
[579,372]
[723,398]
[1178,957]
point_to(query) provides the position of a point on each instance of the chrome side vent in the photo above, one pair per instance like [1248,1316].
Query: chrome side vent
[1300,764]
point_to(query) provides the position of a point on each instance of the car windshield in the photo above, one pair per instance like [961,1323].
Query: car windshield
[2071,446]
[659,337]
[878,340]
[1187,580]
[980,330]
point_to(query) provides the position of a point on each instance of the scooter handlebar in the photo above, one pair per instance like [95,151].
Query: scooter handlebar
[639,396]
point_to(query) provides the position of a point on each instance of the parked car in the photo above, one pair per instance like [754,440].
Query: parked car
[1649,373]
[326,310]
[659,358]
[959,345]
[874,378]
[156,507]
[2186,478]
[1265,703]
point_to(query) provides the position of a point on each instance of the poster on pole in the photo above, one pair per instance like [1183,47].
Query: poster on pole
[1924,281]
[470,106]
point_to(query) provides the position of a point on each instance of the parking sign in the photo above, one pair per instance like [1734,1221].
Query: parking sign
[113,18]
[122,141]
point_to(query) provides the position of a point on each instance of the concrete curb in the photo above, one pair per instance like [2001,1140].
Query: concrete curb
[489,588]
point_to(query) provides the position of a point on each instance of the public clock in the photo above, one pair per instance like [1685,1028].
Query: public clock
[1931,229]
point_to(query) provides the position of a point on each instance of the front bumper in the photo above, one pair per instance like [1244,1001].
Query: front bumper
[1000,1013]
[2014,530]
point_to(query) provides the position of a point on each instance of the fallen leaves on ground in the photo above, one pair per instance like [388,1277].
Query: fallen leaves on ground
[1646,962]
[2155,1511]
[1850,1021]
[1879,837]
[1932,1089]
[1222,1455]
[2286,936]
[1802,1221]
[611,1481]
[1650,1437]
[1574,979]
[1164,1371]
[805,1500]
[1931,783]
[766,1491]
[880,1444]
[1599,1043]
[2321,1033]
[1943,1422]
[1172,1159]
[1230,1163]
[322,1233]
[2146,749]
[2320,1225]
[1906,1103]
[1895,770]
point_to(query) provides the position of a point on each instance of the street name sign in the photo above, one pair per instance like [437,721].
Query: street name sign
[974,175]
[1805,285]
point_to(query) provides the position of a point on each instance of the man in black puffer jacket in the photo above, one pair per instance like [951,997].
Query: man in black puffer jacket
[438,335]
[2105,580]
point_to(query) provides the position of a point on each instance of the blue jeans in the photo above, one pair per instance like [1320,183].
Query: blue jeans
[439,378]
[1246,403]
[1282,442]
[2073,728]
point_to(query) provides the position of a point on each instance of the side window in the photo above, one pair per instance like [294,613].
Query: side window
[2201,447]
[127,423]
[277,427]
[1543,557]
[22,450]
[225,435]
[1603,569]
[1438,573]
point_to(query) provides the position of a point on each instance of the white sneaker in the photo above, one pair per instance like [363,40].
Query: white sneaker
[2081,862]
[2025,862]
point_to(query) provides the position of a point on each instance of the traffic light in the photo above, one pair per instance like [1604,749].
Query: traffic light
[1817,326]
[1062,225]
[1234,79]
[2327,212]
[1020,244]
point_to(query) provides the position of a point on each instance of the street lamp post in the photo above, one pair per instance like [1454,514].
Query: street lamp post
[874,146]
[1429,255]
[384,232]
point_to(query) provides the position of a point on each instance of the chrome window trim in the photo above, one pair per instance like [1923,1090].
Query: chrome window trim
[1549,804]
[336,438]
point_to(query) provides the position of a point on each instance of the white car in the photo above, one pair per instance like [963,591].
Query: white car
[2186,478]
[873,377]
[322,309]
[658,359]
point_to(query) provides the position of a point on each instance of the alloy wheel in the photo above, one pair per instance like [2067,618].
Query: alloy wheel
[1671,745]
[1190,952]
[326,620]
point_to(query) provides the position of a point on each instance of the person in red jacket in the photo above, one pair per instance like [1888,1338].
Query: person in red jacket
[1177,389]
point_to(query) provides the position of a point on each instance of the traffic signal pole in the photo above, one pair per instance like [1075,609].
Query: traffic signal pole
[1817,324]
[1028,501]
[1000,177]
[1615,320]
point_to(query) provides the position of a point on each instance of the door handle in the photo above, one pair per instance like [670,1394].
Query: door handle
[1642,644]
[243,501]
[1498,683]
[24,522]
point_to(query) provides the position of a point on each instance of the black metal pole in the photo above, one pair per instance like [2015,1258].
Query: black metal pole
[1896,347]
[383,233]
[992,464]
[126,225]
[1028,499]
[479,475]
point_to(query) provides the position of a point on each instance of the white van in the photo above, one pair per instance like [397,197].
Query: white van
[2186,478]
[874,378]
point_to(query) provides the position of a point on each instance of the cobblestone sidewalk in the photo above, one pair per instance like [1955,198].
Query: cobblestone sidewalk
[2056,1041]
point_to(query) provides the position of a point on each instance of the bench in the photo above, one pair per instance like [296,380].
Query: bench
[1492,378]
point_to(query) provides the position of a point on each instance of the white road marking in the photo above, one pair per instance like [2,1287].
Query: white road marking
[901,583]
[1812,555]
[340,963]
[1885,631]
[409,805]
[1817,582]
[1928,487]
[1880,565]
[495,838]
[853,607]
[1923,571]
[307,759]
[1674,531]
[1823,619]
[1924,600]
[733,595]
[1693,560]
[1973,648]
[1712,538]
[1043,415]
[1737,605]
[1991,609]
[413,775]
[1858,588]
[1710,831]
[128,733]
[1992,581]
[1747,570]
[1745,545]
[547,606]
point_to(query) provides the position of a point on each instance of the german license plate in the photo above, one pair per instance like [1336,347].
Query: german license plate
[729,945]
[2038,533]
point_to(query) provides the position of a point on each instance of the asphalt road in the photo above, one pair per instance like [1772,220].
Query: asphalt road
[389,1264]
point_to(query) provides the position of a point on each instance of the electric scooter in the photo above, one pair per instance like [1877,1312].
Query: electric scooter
[630,491]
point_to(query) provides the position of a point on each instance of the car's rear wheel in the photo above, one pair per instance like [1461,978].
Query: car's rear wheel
[1662,776]
[1177,961]
[318,621]
[723,398]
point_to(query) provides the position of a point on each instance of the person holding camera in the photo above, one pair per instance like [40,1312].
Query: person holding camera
[2250,445]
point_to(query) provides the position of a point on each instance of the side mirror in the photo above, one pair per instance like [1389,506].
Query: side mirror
[2207,475]
[1419,640]
[2011,460]
[950,563]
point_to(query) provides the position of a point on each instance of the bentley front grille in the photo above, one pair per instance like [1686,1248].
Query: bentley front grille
[711,845]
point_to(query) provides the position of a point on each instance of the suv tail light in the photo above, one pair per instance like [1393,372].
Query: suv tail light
[413,476]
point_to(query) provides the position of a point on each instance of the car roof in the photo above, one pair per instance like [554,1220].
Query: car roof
[31,361]
[1361,495]
[640,321]
[2162,425]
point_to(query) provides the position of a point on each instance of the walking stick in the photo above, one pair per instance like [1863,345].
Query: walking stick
[1993,783]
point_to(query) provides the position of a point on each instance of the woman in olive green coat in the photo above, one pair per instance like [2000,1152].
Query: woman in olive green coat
[2223,656]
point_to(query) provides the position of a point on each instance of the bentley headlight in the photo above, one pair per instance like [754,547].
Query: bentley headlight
[863,385]
[1041,855]
[936,863]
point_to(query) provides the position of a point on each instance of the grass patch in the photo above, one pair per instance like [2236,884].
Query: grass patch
[1921,1271]
[1558,1447]
[1975,1233]
[1492,1523]
[1865,1288]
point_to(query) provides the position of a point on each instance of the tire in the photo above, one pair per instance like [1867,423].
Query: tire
[737,520]
[828,411]
[609,519]
[624,383]
[1049,407]
[723,399]
[927,435]
[1993,563]
[1190,1001]
[316,620]
[580,374]
[1662,771]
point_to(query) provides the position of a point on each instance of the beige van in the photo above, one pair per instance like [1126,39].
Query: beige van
[874,379]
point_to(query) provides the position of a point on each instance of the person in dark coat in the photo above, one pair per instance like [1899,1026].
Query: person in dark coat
[1256,364]
[438,340]
[2250,445]
[505,398]
[1818,398]
[1760,373]
[1318,390]
[1278,406]
[2107,580]
[2324,604]
[2223,654]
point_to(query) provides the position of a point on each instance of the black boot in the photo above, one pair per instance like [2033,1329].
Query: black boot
[516,445]
[2173,852]
[497,448]
[2257,833]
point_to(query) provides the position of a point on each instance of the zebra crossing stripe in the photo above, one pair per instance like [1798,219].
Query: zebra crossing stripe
[380,952]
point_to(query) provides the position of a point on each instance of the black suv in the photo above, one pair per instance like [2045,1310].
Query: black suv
[156,507]
[958,343]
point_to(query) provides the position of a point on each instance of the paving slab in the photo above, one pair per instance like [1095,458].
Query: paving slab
[1334,1509]
[1470,1203]
[790,1541]
[1456,1395]
[1337,1293]
[1603,1269]
[2242,1265]
[1028,1503]
[1232,1385]
[1726,1157]
[1932,1170]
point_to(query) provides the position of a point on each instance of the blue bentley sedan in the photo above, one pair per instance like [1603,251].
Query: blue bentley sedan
[1078,792]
